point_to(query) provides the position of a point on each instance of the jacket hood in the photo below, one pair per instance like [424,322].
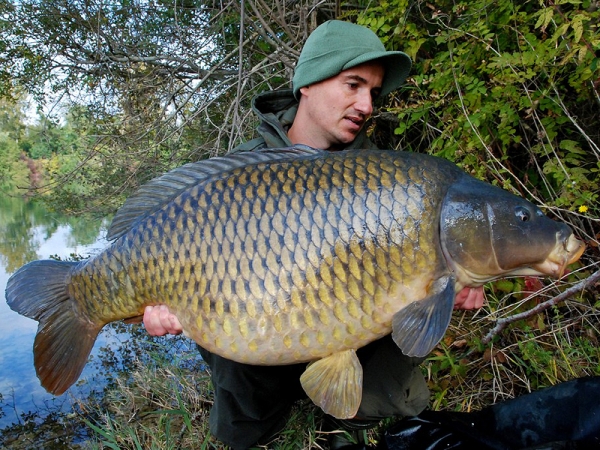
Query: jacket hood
[276,111]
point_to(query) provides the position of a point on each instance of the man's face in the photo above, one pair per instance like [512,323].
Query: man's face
[337,108]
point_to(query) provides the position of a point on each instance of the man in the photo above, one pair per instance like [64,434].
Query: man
[342,69]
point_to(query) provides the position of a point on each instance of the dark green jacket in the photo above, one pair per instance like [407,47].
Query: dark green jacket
[276,111]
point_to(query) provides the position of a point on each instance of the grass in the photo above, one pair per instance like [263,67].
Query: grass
[162,408]
[167,408]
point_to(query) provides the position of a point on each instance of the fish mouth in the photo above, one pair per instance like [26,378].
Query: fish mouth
[564,253]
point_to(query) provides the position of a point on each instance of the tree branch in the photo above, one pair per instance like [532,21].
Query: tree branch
[505,321]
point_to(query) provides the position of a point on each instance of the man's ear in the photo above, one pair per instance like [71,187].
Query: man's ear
[304,90]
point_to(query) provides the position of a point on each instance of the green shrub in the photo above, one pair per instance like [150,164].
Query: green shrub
[507,90]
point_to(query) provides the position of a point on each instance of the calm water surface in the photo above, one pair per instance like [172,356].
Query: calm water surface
[28,232]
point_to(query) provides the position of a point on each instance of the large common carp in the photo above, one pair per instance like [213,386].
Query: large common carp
[292,255]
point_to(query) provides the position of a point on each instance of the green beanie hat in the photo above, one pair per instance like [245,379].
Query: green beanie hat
[335,46]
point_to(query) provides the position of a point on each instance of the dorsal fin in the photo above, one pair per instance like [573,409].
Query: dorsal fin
[159,191]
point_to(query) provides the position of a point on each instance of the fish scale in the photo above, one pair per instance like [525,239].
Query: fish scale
[262,273]
[267,271]
[262,283]
[293,255]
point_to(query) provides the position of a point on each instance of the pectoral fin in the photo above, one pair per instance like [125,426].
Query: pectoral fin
[418,328]
[334,383]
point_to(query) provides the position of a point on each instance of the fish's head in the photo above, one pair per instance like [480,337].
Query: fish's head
[489,233]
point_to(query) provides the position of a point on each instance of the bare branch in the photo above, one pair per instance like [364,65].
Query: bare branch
[505,321]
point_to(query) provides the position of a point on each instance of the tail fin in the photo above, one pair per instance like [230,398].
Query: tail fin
[39,290]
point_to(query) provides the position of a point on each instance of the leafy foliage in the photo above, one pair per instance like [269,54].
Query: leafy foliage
[156,84]
[509,90]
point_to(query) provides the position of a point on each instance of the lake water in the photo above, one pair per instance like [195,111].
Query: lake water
[29,232]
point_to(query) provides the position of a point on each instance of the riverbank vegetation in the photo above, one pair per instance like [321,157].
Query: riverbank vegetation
[509,91]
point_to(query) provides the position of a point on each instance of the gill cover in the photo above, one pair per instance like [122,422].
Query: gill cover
[486,231]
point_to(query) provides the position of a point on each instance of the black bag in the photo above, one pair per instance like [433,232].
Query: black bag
[565,416]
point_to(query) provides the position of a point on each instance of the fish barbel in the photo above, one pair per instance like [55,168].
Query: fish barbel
[293,255]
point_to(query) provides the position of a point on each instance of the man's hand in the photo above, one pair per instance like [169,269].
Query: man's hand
[159,321]
[469,298]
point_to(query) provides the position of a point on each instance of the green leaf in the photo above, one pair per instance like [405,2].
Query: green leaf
[577,25]
[545,17]
[571,146]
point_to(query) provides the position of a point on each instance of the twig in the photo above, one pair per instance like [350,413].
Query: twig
[238,95]
[503,322]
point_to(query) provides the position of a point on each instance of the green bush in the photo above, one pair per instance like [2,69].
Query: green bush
[508,90]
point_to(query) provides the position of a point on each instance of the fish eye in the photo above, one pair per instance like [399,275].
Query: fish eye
[522,214]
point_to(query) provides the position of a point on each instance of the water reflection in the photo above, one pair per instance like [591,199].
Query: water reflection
[29,232]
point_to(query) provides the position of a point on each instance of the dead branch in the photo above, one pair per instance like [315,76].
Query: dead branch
[505,321]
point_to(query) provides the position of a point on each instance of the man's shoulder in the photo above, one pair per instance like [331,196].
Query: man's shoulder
[250,146]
